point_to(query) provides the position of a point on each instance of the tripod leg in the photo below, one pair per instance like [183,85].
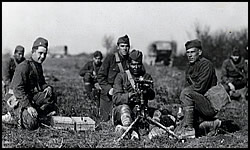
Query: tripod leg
[164,128]
[129,128]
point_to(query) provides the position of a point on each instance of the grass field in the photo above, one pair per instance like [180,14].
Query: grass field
[73,101]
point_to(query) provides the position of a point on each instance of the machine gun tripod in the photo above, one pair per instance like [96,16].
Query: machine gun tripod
[142,115]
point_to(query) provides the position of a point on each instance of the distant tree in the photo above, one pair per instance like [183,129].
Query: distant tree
[108,43]
[218,45]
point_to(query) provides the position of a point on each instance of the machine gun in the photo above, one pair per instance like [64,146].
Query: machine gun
[142,115]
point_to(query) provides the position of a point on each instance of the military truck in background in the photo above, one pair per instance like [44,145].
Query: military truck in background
[161,53]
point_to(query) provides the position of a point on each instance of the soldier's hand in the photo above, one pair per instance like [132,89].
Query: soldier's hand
[48,91]
[231,86]
[32,111]
[131,94]
[111,91]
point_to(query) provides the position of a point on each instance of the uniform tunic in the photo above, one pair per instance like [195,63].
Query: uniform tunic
[230,74]
[8,70]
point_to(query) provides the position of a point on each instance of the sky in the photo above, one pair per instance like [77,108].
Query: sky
[82,25]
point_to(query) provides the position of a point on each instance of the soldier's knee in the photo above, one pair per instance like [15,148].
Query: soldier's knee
[29,122]
[125,109]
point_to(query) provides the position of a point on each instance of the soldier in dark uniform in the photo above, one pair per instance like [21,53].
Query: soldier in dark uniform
[125,96]
[111,66]
[234,72]
[89,74]
[32,98]
[9,66]
[200,77]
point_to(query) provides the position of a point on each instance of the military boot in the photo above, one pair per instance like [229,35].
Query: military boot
[210,127]
[119,130]
[186,127]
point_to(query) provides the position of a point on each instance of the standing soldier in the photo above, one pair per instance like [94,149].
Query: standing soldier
[31,99]
[9,67]
[112,65]
[234,72]
[89,74]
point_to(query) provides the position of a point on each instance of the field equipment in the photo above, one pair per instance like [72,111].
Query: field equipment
[143,120]
[73,123]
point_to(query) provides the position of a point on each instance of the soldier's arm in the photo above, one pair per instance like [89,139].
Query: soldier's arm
[224,76]
[20,84]
[102,75]
[119,96]
[6,72]
[86,69]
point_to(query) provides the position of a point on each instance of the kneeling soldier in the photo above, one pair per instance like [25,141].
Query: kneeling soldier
[31,98]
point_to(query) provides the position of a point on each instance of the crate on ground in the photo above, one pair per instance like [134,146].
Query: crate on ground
[84,123]
[60,122]
[73,123]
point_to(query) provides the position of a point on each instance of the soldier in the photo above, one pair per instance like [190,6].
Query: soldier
[200,77]
[31,99]
[89,74]
[9,66]
[234,72]
[125,96]
[111,66]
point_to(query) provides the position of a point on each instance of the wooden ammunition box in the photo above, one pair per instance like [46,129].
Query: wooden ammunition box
[73,123]
[60,122]
[83,123]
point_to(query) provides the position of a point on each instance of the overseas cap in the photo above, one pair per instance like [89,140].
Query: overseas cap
[136,55]
[97,53]
[235,51]
[40,42]
[19,48]
[193,43]
[123,39]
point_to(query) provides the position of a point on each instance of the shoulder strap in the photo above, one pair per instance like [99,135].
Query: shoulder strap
[236,68]
[117,59]
[14,61]
[94,71]
[132,81]
[36,72]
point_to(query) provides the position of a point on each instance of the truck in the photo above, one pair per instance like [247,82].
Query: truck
[162,53]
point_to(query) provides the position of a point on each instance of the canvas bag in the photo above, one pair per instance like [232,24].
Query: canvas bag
[218,96]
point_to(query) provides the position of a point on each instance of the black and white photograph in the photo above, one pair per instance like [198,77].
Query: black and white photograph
[124,74]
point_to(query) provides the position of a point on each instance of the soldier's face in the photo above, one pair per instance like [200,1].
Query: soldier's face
[193,54]
[123,48]
[40,54]
[19,55]
[97,60]
[135,67]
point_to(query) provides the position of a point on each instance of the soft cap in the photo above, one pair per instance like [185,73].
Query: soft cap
[136,55]
[40,42]
[123,39]
[193,43]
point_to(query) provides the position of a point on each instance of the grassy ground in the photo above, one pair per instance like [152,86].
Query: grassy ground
[73,101]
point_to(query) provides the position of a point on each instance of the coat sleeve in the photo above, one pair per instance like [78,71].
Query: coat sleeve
[224,76]
[102,76]
[6,72]
[86,69]
[205,77]
[119,96]
[20,83]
